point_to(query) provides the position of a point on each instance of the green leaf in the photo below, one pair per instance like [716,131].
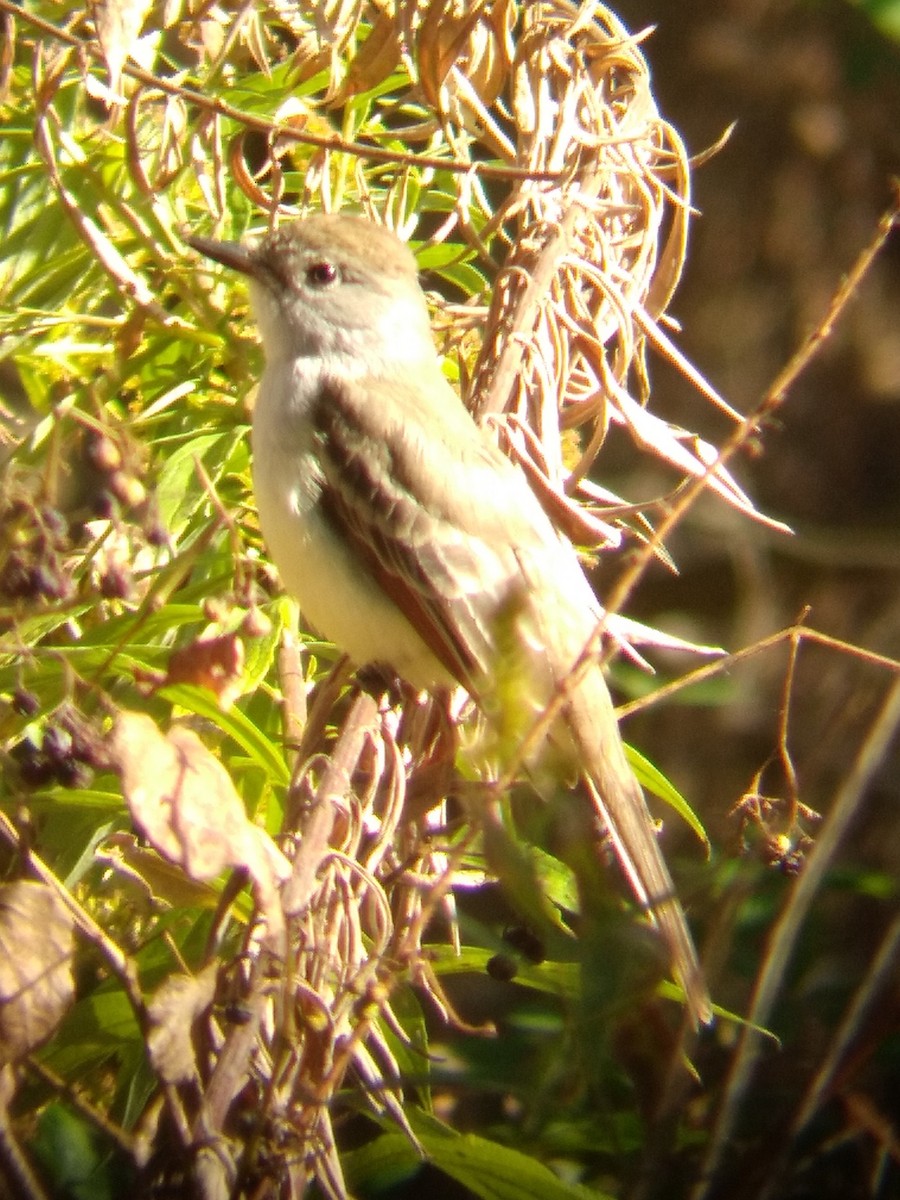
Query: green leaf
[73,1157]
[235,724]
[654,781]
[553,978]
[488,1169]
[885,14]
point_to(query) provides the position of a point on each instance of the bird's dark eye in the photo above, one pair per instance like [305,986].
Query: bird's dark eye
[320,274]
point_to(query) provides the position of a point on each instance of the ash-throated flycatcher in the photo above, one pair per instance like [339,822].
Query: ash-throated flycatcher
[402,530]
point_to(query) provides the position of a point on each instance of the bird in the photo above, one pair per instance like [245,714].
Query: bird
[407,536]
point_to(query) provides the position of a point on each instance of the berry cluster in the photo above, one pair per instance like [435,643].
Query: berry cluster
[33,546]
[69,751]
[114,475]
[39,542]
[114,466]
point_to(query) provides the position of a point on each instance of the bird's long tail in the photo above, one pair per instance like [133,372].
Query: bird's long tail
[623,810]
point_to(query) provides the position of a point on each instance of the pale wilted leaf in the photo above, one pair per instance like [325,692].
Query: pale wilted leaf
[36,950]
[119,24]
[183,801]
[173,1011]
[149,879]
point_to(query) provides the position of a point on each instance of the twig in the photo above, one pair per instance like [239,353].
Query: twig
[770,403]
[293,689]
[15,1170]
[335,784]
[784,753]
[725,665]
[786,931]
[75,1096]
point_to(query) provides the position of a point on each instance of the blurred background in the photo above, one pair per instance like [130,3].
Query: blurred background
[785,208]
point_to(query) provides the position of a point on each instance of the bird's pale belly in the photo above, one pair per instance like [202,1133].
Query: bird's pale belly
[337,598]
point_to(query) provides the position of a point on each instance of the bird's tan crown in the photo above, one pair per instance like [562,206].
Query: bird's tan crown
[342,239]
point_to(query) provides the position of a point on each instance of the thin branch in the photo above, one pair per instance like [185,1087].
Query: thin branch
[726,665]
[784,753]
[768,406]
[784,936]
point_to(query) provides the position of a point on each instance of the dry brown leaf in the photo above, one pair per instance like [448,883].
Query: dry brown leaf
[156,147]
[374,61]
[464,47]
[214,663]
[173,1011]
[324,31]
[37,946]
[183,801]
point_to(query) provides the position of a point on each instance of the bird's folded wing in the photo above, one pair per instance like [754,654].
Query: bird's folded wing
[430,507]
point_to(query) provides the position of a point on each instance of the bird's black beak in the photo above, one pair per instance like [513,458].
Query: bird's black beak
[229,254]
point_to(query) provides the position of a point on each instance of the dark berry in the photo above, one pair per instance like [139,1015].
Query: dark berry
[57,745]
[116,583]
[156,534]
[35,769]
[526,941]
[105,506]
[54,525]
[25,703]
[45,580]
[501,967]
[72,774]
[15,580]
[86,743]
